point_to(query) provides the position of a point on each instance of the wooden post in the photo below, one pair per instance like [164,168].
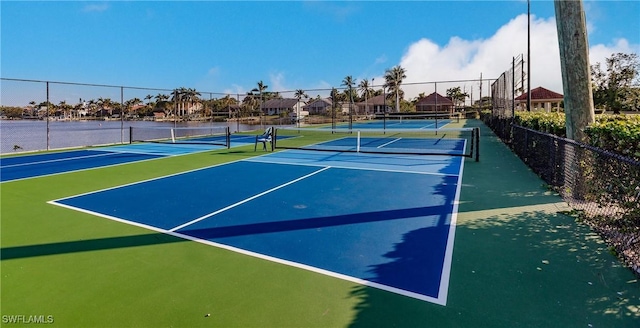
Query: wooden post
[576,72]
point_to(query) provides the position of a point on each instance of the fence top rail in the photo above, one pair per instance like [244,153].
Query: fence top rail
[222,93]
[101,85]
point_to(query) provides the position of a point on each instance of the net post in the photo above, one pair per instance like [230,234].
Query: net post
[274,139]
[130,134]
[173,136]
[477,141]
[228,137]
[358,143]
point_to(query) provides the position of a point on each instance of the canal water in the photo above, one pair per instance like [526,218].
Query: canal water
[30,135]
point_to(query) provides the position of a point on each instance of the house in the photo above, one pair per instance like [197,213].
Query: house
[541,100]
[278,106]
[374,105]
[435,103]
[318,106]
[324,105]
[159,114]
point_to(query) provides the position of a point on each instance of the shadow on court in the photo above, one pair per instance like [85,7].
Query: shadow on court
[17,252]
[518,261]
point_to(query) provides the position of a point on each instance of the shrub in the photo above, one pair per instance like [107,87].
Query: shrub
[553,123]
[616,133]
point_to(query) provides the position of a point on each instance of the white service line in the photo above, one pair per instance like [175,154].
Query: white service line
[388,143]
[57,160]
[248,199]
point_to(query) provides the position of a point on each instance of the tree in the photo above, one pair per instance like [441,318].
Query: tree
[130,103]
[366,92]
[299,95]
[457,96]
[11,111]
[335,98]
[260,89]
[393,79]
[614,89]
[105,103]
[65,108]
[349,83]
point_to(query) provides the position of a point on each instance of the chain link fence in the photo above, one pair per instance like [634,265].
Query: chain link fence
[46,115]
[602,186]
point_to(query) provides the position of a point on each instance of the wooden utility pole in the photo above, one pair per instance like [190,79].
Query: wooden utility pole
[576,72]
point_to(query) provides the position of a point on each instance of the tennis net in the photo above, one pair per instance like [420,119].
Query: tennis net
[409,118]
[211,135]
[451,142]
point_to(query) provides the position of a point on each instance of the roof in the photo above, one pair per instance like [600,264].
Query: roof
[432,98]
[373,101]
[541,93]
[280,103]
[319,103]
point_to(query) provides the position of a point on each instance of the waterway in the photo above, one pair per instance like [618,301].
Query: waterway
[32,135]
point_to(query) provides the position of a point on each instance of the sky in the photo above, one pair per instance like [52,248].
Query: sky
[228,46]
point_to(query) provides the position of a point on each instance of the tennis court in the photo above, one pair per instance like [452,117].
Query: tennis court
[336,214]
[407,121]
[297,237]
[164,144]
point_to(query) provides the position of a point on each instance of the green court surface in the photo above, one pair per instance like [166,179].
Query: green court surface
[518,261]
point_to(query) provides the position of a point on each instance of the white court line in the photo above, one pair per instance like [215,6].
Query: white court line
[355,167]
[56,160]
[441,299]
[443,290]
[388,143]
[248,199]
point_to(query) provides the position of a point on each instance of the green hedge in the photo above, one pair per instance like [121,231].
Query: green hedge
[553,123]
[616,133]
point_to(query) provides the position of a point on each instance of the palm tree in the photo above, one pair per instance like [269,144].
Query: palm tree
[299,94]
[393,79]
[105,103]
[349,83]
[65,108]
[130,103]
[366,91]
[261,88]
[457,96]
[191,96]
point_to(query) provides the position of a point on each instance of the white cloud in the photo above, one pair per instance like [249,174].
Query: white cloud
[459,59]
[95,7]
[599,52]
[277,81]
[236,90]
[380,60]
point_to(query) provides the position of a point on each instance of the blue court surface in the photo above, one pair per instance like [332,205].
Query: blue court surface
[396,124]
[36,165]
[386,221]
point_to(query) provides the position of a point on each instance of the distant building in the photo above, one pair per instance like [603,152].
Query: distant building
[435,103]
[278,106]
[374,105]
[324,106]
[541,100]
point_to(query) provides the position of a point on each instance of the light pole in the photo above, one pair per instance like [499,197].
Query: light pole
[372,86]
[384,108]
